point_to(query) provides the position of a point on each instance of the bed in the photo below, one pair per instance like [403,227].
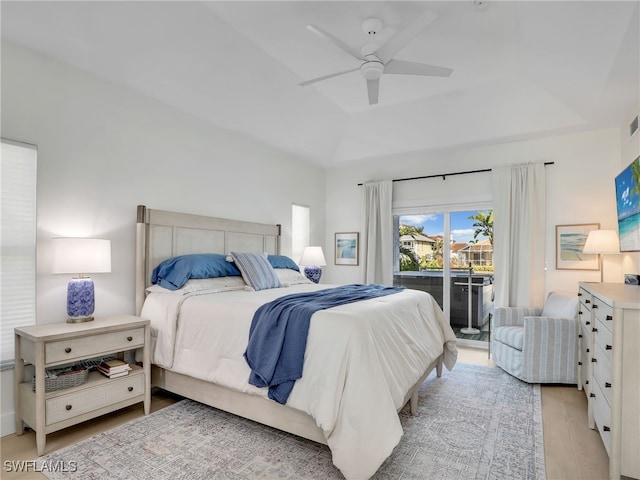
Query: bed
[363,361]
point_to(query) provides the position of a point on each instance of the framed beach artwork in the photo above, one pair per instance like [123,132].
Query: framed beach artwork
[628,207]
[346,248]
[570,240]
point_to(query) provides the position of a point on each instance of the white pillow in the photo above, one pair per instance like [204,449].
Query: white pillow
[561,305]
[290,277]
[218,284]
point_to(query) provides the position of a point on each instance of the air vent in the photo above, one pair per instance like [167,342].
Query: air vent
[633,126]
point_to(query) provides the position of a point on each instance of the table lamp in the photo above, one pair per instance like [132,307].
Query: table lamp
[602,242]
[80,256]
[313,259]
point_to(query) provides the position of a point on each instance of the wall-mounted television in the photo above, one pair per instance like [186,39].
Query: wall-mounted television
[628,205]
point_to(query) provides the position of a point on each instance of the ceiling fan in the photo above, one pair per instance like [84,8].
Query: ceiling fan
[378,59]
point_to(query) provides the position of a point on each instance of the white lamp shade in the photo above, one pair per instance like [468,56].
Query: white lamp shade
[81,255]
[313,256]
[602,242]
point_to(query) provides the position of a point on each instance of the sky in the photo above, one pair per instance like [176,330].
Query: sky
[461,227]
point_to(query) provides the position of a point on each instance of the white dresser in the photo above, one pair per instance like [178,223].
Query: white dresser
[610,370]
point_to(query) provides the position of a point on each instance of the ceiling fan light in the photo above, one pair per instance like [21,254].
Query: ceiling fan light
[372,70]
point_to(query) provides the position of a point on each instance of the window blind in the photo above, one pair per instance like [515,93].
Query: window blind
[17,242]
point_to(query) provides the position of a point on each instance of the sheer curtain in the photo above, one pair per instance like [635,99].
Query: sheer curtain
[519,235]
[377,237]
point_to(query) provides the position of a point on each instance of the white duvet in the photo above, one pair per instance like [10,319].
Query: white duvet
[360,361]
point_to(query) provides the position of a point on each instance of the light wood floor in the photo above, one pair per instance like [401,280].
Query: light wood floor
[572,449]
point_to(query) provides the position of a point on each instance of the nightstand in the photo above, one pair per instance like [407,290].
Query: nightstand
[56,344]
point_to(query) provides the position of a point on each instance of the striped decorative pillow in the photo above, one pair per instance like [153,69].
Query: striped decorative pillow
[256,270]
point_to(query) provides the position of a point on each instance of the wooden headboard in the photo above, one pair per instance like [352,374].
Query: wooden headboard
[161,235]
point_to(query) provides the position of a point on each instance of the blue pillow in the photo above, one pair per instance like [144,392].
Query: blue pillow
[256,270]
[282,261]
[174,272]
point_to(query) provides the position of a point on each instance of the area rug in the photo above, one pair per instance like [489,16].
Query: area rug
[474,422]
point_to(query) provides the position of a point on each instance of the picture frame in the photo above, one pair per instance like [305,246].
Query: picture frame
[570,240]
[346,248]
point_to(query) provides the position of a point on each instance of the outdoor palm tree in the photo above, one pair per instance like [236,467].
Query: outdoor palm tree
[484,225]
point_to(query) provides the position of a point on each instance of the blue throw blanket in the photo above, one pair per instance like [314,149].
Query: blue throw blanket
[278,334]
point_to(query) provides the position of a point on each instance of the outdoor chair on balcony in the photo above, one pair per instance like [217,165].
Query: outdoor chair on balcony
[538,345]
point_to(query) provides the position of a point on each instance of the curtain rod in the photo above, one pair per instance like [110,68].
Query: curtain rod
[444,175]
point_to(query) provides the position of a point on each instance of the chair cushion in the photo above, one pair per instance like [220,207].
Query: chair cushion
[560,305]
[511,336]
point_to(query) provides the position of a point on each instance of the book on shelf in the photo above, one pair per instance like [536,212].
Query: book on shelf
[113,368]
[116,375]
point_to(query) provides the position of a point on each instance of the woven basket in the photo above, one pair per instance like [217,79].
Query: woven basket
[68,380]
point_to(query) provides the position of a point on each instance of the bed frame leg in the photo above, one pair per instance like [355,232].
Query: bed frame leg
[439,368]
[413,408]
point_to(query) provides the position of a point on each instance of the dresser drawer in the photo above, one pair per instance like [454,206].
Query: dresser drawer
[603,312]
[604,339]
[602,416]
[83,347]
[584,313]
[107,393]
[602,373]
[585,357]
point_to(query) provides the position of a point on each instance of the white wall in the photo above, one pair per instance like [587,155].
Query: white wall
[103,149]
[580,189]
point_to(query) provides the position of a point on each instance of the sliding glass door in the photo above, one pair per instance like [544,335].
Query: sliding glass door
[449,254]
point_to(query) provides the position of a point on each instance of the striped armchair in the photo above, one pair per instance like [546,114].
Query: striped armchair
[538,345]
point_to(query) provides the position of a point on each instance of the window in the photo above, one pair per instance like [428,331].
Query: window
[449,253]
[299,230]
[18,242]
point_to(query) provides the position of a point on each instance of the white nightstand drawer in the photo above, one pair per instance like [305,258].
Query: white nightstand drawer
[68,406]
[76,348]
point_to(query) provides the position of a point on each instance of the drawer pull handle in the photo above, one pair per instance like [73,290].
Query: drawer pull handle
[68,407]
[580,312]
[587,323]
[588,350]
[608,347]
[594,329]
[587,301]
[130,389]
[129,339]
[67,350]
[579,294]
[606,429]
[586,382]
[607,385]
[579,363]
[592,395]
[594,360]
[595,305]
[609,317]
[580,336]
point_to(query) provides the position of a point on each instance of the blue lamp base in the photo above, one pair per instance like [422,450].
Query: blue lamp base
[313,273]
[80,300]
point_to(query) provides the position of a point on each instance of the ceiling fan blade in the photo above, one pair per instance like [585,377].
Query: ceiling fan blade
[336,41]
[393,46]
[325,77]
[372,90]
[405,67]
